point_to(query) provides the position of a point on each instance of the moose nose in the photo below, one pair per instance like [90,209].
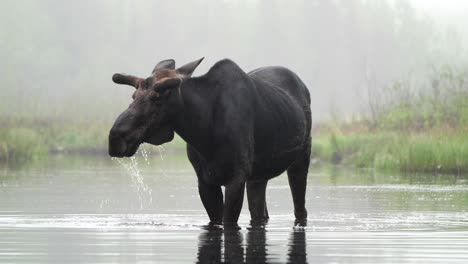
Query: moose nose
[117,145]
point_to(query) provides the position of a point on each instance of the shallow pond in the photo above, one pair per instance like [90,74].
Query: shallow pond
[90,210]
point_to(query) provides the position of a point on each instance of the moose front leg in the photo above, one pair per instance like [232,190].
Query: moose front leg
[230,166]
[234,197]
[257,202]
[212,199]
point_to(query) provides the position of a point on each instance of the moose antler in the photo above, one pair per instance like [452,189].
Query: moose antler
[120,78]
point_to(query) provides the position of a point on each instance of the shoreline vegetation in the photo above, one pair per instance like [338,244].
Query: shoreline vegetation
[432,151]
[25,139]
[355,143]
[407,130]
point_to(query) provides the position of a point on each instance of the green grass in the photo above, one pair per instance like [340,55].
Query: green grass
[24,140]
[396,151]
[411,130]
[21,145]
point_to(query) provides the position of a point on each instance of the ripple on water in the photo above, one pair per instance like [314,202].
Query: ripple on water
[406,188]
[420,221]
[99,221]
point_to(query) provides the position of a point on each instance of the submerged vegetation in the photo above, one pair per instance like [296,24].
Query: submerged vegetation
[422,130]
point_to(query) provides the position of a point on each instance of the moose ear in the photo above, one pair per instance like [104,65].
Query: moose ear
[125,79]
[189,68]
[167,84]
[165,64]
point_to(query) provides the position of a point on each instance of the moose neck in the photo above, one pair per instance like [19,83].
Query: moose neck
[193,121]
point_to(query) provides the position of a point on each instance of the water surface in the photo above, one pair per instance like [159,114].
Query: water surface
[89,210]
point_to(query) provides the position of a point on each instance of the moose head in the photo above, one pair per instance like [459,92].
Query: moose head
[148,117]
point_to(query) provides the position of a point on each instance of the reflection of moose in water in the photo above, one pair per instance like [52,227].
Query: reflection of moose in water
[210,249]
[241,129]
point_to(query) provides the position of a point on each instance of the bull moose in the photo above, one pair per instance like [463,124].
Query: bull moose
[241,129]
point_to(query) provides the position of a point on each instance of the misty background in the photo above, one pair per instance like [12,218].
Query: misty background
[57,57]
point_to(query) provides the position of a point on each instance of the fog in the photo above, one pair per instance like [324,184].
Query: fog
[57,57]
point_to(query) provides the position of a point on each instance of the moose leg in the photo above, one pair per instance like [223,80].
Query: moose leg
[266,211]
[212,199]
[257,202]
[211,195]
[234,197]
[297,176]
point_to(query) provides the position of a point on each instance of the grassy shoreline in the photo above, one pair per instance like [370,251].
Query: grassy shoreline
[428,152]
[25,140]
[407,129]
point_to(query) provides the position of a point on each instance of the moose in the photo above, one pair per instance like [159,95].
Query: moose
[241,129]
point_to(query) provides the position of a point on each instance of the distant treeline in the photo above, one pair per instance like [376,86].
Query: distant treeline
[57,57]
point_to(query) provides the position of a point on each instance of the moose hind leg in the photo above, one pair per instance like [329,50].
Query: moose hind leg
[256,192]
[297,176]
